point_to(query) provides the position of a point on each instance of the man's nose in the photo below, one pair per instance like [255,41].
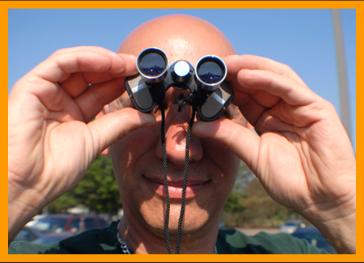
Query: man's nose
[176,128]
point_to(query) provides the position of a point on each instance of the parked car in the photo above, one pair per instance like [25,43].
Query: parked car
[27,234]
[291,225]
[33,236]
[314,237]
[59,223]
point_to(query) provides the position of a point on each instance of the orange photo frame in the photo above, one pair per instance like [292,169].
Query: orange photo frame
[357,5]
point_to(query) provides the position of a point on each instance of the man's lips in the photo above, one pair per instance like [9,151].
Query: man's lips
[175,186]
[179,182]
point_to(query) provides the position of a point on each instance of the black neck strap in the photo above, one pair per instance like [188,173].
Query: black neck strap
[184,185]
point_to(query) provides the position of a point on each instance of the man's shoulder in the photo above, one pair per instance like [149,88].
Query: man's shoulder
[95,241]
[234,241]
[23,247]
[230,241]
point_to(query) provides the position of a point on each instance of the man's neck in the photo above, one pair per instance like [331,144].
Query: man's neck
[144,241]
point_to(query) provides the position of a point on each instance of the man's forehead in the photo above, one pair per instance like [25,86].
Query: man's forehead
[180,37]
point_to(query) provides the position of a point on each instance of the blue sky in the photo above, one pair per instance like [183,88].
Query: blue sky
[302,38]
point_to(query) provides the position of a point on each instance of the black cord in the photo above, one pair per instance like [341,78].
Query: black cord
[185,181]
[184,184]
[165,171]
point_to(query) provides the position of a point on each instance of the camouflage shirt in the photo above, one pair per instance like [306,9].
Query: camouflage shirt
[229,241]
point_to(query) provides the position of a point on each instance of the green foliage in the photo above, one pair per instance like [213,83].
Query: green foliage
[248,205]
[61,205]
[234,203]
[97,190]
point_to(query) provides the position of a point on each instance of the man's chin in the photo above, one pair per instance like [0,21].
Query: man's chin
[195,219]
[150,196]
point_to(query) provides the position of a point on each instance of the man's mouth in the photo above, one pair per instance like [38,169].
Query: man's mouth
[175,187]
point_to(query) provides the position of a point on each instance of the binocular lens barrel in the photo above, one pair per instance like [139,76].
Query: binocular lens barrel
[152,65]
[210,72]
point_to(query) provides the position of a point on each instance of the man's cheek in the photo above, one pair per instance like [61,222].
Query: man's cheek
[129,149]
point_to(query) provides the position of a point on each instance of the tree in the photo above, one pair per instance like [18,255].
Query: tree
[97,191]
[248,205]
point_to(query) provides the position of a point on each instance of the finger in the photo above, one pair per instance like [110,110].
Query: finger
[242,141]
[97,77]
[263,98]
[233,113]
[252,110]
[58,67]
[101,51]
[62,65]
[269,123]
[113,126]
[237,62]
[75,84]
[252,81]
[93,100]
[302,116]
[98,49]
[119,103]
[78,82]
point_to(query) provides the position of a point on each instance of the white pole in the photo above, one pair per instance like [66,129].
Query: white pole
[341,71]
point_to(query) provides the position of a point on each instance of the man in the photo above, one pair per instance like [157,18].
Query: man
[289,137]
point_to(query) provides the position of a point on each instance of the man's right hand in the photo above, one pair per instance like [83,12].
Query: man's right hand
[53,134]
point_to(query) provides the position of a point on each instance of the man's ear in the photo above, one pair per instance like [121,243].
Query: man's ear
[105,152]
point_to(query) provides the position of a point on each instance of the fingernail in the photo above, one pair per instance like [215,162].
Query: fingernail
[129,65]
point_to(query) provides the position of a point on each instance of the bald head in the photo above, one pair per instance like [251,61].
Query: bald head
[180,37]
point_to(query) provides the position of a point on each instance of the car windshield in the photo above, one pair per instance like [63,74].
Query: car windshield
[291,224]
[50,224]
[49,240]
[94,222]
[25,235]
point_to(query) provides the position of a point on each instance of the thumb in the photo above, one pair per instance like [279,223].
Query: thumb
[242,141]
[110,127]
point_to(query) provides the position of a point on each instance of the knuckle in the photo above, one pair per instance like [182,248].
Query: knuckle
[322,109]
[325,104]
[286,68]
[263,123]
[59,52]
[248,57]
[129,111]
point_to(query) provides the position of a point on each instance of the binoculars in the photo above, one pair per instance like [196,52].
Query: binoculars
[209,93]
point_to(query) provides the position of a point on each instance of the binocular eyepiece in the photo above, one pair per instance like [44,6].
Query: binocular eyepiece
[210,72]
[206,81]
[152,65]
